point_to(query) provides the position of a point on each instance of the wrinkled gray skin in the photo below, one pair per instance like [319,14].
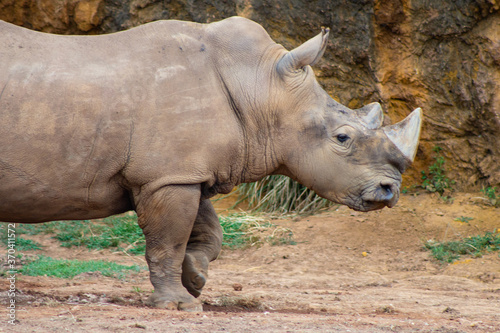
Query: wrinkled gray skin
[160,118]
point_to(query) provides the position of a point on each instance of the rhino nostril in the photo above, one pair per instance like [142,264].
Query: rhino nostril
[386,188]
[386,191]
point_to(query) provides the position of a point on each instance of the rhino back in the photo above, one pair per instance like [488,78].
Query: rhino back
[87,119]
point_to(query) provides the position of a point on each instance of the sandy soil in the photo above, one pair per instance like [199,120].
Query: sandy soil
[349,272]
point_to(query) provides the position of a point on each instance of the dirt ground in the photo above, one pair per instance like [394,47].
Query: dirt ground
[349,272]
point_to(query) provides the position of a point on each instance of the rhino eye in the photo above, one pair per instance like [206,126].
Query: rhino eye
[342,138]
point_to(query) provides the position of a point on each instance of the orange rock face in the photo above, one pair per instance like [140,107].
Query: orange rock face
[87,14]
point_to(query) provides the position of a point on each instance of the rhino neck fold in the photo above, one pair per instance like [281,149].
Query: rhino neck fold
[246,80]
[258,157]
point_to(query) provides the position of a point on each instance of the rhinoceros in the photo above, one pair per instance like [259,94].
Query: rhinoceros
[160,118]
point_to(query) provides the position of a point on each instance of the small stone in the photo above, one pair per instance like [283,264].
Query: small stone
[237,287]
[137,325]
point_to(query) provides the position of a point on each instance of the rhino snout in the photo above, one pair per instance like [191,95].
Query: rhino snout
[387,193]
[373,197]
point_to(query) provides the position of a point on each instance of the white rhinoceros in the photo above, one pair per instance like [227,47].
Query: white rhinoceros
[160,118]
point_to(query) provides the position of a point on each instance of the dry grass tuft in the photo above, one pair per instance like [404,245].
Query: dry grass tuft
[281,195]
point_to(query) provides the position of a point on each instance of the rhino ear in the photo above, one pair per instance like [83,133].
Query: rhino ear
[371,115]
[308,53]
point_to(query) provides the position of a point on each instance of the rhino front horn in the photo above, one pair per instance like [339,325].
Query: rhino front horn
[406,133]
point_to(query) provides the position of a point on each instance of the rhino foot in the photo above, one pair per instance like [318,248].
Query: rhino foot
[194,272]
[165,301]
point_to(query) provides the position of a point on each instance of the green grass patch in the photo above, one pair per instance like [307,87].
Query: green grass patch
[43,228]
[435,180]
[242,230]
[491,196]
[123,233]
[68,269]
[112,232]
[474,246]
[235,230]
[23,244]
[281,195]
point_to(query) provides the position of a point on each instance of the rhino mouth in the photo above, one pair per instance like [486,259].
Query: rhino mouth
[378,197]
[367,206]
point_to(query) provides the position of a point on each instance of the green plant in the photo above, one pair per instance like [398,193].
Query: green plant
[68,269]
[435,180]
[412,189]
[474,246]
[464,219]
[491,196]
[281,195]
[137,289]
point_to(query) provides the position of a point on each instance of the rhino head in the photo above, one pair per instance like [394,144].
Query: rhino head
[344,155]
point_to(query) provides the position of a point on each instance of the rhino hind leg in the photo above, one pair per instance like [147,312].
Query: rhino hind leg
[203,246]
[166,217]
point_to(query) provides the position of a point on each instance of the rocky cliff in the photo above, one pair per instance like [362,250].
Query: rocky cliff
[441,55]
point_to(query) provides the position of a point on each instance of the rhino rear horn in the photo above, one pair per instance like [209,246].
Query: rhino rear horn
[371,115]
[308,53]
[406,133]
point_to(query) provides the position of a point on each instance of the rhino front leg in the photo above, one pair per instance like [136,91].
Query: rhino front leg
[203,246]
[166,217]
